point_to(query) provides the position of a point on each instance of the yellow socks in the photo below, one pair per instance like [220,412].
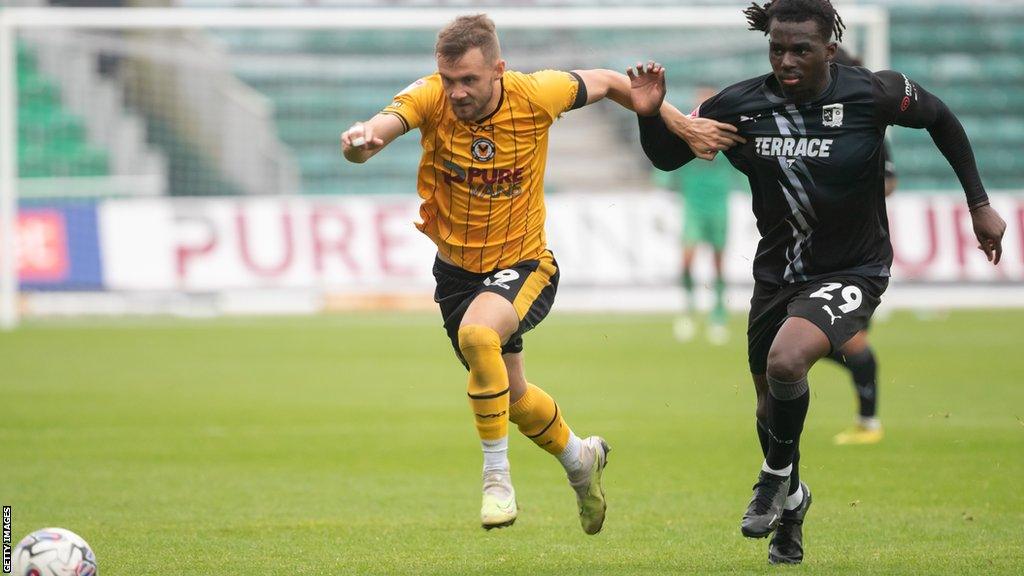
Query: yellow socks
[488,381]
[536,413]
[539,418]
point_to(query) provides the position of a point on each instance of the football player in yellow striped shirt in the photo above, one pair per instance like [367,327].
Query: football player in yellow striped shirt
[484,133]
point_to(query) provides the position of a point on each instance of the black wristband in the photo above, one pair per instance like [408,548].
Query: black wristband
[981,204]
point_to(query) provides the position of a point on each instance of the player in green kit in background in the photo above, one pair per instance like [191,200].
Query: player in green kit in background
[704,191]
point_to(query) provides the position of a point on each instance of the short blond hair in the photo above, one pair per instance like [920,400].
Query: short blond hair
[466,33]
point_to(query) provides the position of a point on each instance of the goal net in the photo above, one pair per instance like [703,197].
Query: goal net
[186,160]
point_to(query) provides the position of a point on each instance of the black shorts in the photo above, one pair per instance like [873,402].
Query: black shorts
[839,305]
[529,285]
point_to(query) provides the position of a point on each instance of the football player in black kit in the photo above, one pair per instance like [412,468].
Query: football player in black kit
[813,155]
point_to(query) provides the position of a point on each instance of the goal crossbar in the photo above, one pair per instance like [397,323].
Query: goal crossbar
[396,18]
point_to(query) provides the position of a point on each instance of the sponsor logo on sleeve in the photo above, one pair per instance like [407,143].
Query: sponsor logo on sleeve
[908,93]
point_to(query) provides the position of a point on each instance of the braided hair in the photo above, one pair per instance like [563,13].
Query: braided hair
[821,11]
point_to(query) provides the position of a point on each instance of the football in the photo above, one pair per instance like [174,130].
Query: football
[54,552]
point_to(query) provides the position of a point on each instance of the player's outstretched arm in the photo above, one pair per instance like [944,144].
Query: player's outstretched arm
[903,102]
[364,139]
[666,150]
[705,137]
[951,139]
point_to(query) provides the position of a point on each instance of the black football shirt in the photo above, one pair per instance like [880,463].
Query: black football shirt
[816,169]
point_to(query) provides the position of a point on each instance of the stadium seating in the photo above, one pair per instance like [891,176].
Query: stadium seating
[970,57]
[967,56]
[51,141]
[322,81]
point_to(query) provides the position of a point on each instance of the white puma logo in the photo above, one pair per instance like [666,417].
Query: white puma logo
[831,315]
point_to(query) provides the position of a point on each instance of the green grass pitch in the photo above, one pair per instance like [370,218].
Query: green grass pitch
[344,445]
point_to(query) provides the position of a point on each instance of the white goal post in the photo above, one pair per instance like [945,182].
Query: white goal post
[871,21]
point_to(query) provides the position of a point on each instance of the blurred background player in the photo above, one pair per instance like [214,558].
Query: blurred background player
[858,356]
[703,190]
[481,177]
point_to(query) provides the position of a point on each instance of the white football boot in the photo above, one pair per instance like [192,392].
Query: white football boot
[587,484]
[499,508]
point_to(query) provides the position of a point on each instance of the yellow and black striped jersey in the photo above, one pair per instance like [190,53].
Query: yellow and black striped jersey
[482,182]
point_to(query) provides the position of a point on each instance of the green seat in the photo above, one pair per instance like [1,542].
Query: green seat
[25,58]
[912,182]
[34,111]
[34,86]
[57,127]
[371,41]
[1007,68]
[73,161]
[309,135]
[1012,182]
[51,141]
[1000,162]
[305,132]
[329,163]
[922,38]
[994,129]
[349,184]
[919,160]
[321,103]
[981,99]
[309,104]
[915,66]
